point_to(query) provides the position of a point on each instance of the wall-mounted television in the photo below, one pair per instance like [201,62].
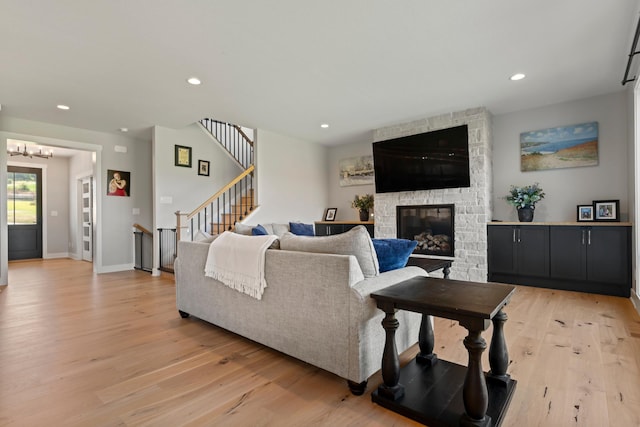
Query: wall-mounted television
[426,161]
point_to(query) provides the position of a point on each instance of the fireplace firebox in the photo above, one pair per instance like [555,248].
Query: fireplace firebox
[432,226]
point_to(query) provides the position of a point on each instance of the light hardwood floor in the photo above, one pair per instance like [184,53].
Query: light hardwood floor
[79,349]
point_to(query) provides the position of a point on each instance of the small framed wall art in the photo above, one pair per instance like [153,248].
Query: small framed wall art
[330,215]
[606,210]
[183,156]
[585,213]
[203,167]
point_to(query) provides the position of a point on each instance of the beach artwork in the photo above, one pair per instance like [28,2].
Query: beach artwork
[562,147]
[356,171]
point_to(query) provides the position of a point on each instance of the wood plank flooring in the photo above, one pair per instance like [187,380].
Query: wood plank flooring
[79,349]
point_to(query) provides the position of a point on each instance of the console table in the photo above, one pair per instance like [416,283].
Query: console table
[328,228]
[434,391]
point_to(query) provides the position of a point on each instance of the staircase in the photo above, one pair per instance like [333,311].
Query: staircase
[233,202]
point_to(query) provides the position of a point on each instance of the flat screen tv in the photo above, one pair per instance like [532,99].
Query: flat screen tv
[426,161]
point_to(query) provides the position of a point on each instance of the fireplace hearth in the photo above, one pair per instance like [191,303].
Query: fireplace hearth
[432,226]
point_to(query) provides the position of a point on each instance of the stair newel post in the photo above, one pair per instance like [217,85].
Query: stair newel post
[178,225]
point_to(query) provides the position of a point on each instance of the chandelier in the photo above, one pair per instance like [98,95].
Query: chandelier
[30,153]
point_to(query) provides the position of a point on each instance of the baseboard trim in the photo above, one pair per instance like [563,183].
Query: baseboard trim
[115,268]
[635,300]
[58,255]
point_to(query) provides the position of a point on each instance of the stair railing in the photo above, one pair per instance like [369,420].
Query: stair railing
[143,248]
[221,211]
[233,139]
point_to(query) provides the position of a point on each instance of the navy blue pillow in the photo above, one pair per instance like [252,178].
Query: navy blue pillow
[259,230]
[393,253]
[301,229]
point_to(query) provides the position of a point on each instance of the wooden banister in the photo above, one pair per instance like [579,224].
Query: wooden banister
[249,170]
[142,229]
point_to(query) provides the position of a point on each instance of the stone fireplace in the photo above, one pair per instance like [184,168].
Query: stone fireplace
[432,226]
[472,206]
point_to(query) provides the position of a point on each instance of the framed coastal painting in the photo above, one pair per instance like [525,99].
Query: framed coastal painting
[356,171]
[560,147]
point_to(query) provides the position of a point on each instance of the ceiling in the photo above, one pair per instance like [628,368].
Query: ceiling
[288,65]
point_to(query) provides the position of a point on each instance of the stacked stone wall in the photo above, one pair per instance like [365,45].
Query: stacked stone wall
[473,206]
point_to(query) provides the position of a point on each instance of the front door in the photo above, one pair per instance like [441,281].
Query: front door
[87,214]
[24,212]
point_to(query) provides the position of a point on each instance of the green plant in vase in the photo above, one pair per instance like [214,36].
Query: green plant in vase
[364,204]
[524,199]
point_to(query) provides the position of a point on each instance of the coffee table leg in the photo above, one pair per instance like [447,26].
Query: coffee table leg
[498,353]
[390,362]
[474,393]
[426,342]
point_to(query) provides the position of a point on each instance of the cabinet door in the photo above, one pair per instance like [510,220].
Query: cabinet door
[607,254]
[532,247]
[501,241]
[567,252]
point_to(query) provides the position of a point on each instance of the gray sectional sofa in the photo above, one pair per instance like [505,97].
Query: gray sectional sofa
[316,306]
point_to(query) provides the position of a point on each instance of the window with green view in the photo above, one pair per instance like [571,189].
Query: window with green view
[21,198]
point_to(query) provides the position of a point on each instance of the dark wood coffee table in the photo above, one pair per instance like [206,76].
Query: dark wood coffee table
[434,391]
[432,264]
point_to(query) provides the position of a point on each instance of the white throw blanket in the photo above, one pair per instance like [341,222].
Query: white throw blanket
[238,261]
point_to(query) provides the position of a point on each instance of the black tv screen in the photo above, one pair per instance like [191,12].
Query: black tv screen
[426,161]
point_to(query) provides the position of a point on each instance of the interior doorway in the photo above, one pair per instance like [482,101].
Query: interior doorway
[24,212]
[86,186]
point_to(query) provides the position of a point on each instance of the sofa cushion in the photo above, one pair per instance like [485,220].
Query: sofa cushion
[301,229]
[243,228]
[393,253]
[259,230]
[356,242]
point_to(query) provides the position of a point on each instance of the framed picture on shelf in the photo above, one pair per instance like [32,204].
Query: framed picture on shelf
[606,210]
[203,167]
[330,215]
[183,156]
[585,213]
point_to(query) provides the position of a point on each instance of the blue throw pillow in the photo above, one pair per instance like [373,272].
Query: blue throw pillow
[301,229]
[259,230]
[393,253]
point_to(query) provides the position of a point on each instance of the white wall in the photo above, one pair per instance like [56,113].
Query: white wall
[292,179]
[565,188]
[185,189]
[341,197]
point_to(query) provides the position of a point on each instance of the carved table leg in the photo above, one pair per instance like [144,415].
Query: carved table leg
[498,353]
[426,342]
[390,362]
[474,393]
[446,271]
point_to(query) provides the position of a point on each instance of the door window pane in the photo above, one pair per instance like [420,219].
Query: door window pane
[21,198]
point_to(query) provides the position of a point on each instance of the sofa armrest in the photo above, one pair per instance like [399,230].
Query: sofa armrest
[363,289]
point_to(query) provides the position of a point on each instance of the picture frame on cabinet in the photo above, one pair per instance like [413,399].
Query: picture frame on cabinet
[330,214]
[585,213]
[606,210]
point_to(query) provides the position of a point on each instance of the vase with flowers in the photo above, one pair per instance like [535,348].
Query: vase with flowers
[525,199]
[363,204]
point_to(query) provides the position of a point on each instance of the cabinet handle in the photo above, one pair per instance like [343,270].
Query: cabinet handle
[519,231]
[589,237]
[582,237]
[514,235]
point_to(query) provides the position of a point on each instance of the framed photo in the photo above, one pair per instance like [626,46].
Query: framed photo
[606,210]
[203,167]
[118,183]
[585,213]
[330,215]
[183,156]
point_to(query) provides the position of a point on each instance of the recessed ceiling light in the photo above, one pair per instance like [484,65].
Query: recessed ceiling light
[324,125]
[193,81]
[124,129]
[63,107]
[517,76]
